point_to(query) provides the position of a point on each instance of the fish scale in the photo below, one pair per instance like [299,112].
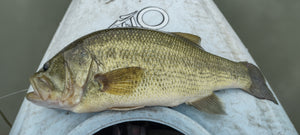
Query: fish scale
[152,51]
[129,68]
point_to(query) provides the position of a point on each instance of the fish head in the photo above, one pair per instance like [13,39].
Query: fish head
[54,86]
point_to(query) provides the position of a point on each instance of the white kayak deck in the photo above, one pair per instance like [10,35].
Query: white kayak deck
[245,114]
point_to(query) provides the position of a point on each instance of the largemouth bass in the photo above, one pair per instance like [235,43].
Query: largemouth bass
[129,68]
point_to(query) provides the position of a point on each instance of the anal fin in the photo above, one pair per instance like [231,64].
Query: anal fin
[125,108]
[209,104]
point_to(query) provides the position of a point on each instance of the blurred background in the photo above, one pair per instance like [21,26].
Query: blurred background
[268,28]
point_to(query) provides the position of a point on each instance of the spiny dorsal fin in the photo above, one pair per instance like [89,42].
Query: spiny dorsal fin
[191,37]
[120,81]
[209,104]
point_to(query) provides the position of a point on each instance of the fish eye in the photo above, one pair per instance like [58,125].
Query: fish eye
[46,66]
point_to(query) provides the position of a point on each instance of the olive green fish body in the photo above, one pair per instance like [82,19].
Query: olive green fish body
[176,70]
[127,68]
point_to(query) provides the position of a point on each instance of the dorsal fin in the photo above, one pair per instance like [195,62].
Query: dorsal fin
[191,37]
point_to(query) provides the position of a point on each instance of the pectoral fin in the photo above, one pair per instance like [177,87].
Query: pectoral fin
[209,104]
[120,81]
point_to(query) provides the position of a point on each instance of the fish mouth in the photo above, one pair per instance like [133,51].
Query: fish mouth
[45,93]
[33,97]
[42,87]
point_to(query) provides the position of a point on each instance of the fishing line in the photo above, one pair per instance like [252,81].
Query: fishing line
[5,96]
[13,93]
[5,119]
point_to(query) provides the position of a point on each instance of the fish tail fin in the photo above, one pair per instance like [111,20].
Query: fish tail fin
[258,87]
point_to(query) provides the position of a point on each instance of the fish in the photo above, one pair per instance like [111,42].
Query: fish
[131,68]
